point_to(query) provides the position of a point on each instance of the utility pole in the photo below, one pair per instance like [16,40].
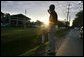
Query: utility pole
[68,12]
[68,17]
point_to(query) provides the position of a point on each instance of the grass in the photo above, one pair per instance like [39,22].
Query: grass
[17,41]
[61,32]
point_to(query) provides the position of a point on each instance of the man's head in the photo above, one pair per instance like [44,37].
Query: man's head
[51,7]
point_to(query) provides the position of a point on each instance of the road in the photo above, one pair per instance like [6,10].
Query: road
[72,45]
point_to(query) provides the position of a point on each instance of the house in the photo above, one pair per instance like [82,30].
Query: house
[18,20]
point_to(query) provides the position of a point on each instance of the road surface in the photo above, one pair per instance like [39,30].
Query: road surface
[72,45]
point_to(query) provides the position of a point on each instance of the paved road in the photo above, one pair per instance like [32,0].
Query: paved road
[72,45]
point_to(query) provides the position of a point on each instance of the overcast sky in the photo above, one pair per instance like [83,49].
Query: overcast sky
[37,10]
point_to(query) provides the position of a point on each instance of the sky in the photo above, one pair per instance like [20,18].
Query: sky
[37,10]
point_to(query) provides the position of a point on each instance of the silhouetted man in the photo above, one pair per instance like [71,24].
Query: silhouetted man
[51,35]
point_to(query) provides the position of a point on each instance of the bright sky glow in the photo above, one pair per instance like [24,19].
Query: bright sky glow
[37,10]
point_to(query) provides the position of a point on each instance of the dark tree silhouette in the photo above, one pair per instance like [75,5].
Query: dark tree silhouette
[61,24]
[38,23]
[78,20]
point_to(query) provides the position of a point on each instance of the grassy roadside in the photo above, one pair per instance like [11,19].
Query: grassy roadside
[17,41]
[61,32]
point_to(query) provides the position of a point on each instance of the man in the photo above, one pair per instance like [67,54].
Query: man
[51,34]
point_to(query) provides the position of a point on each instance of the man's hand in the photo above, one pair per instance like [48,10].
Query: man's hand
[49,11]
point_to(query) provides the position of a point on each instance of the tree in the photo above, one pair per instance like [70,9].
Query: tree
[2,16]
[38,23]
[61,24]
[78,20]
[67,23]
